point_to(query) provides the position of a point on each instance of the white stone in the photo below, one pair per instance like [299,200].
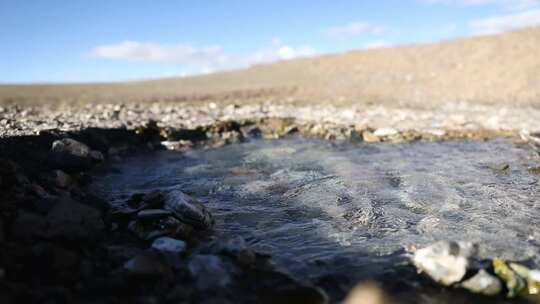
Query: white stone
[385,132]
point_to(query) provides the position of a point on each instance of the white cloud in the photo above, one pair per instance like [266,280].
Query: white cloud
[354,29]
[497,24]
[198,60]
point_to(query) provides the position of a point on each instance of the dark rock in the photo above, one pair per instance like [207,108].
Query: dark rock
[168,226]
[252,131]
[197,134]
[73,221]
[61,179]
[209,272]
[188,210]
[154,199]
[28,226]
[148,263]
[72,156]
[2,231]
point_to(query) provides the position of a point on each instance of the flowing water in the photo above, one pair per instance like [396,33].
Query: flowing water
[322,207]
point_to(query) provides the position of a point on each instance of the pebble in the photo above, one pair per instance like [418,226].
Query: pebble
[171,249]
[445,262]
[382,132]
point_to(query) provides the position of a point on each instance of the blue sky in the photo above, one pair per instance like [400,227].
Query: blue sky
[88,41]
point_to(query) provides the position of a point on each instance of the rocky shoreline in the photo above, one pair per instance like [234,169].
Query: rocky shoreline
[61,242]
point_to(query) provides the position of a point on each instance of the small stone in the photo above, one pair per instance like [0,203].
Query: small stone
[483,283]
[153,214]
[209,272]
[188,210]
[383,132]
[445,262]
[369,137]
[499,167]
[147,263]
[170,248]
[514,282]
[70,146]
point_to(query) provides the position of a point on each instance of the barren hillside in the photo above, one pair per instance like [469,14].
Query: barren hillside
[502,68]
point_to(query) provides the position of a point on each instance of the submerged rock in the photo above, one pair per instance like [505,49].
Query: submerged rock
[445,262]
[209,272]
[483,283]
[188,210]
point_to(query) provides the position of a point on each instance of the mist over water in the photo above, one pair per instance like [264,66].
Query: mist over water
[322,207]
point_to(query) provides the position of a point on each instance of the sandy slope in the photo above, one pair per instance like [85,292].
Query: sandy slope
[496,69]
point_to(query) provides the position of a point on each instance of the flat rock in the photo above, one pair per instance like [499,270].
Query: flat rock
[153,214]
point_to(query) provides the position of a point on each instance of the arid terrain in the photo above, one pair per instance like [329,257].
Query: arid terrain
[496,69]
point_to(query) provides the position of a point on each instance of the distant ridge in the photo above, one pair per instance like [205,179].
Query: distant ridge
[503,68]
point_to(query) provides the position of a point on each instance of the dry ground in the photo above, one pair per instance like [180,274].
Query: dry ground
[499,69]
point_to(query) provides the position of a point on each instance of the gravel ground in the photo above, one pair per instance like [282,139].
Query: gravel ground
[17,120]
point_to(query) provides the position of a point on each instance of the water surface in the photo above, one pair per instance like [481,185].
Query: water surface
[322,207]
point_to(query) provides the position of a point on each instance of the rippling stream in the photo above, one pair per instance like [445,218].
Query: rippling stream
[322,208]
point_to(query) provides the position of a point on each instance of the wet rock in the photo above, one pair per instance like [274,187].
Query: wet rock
[188,210]
[61,179]
[153,214]
[483,283]
[71,147]
[2,231]
[170,248]
[168,226]
[28,226]
[73,221]
[514,282]
[445,262]
[237,248]
[384,132]
[147,263]
[209,272]
[532,276]
[251,131]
